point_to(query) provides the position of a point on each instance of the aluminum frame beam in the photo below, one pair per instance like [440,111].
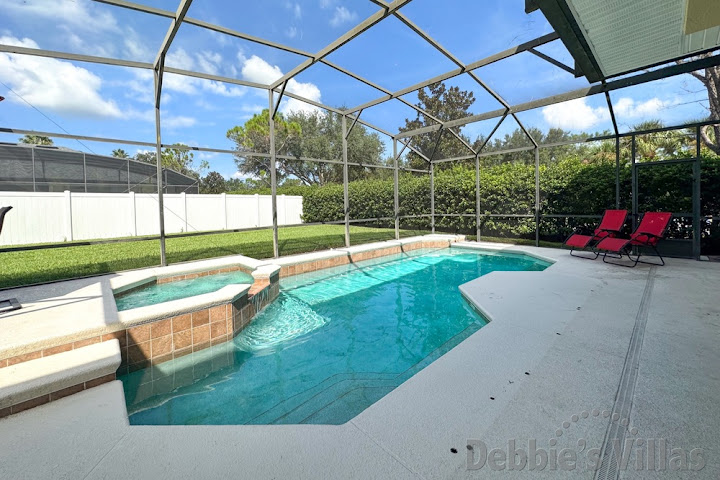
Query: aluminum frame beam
[388,92]
[454,73]
[203,24]
[342,40]
[346,181]
[158,71]
[639,79]
[551,60]
[273,178]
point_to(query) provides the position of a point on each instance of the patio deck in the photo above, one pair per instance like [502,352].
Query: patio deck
[579,338]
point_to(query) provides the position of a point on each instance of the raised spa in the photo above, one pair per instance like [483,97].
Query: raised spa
[155,293]
[333,342]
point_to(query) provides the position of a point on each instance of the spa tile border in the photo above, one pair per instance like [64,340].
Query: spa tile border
[51,397]
[190,276]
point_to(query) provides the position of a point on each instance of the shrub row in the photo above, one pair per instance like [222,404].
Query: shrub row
[567,187]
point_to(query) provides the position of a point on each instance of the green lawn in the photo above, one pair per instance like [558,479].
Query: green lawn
[35,266]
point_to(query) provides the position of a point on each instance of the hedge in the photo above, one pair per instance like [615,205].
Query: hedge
[569,186]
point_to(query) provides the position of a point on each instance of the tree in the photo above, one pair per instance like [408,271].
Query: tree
[254,136]
[178,159]
[444,104]
[120,153]
[182,161]
[302,134]
[710,79]
[145,157]
[321,138]
[36,140]
[213,182]
[659,145]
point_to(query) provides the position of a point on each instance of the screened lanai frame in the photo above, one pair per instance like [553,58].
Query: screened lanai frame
[352,116]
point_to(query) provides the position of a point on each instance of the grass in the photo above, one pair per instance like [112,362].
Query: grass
[36,266]
[46,265]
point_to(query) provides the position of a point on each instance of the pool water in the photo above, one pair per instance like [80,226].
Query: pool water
[334,342]
[164,292]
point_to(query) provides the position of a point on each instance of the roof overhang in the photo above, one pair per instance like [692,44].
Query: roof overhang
[616,37]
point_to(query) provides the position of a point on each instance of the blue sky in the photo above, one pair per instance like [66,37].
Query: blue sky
[116,102]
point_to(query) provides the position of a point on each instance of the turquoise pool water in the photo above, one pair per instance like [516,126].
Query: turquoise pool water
[164,292]
[333,343]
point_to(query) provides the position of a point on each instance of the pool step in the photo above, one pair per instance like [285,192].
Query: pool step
[36,382]
[358,280]
[301,407]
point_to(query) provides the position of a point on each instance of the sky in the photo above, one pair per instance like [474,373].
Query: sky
[97,100]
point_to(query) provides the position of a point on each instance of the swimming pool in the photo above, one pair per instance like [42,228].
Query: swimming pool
[334,342]
[165,292]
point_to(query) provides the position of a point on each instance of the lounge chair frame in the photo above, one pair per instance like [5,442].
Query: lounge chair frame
[627,249]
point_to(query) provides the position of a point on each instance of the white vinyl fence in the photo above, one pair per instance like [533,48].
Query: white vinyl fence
[64,216]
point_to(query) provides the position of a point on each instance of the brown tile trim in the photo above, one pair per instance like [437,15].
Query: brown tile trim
[299,268]
[64,392]
[189,276]
[305,267]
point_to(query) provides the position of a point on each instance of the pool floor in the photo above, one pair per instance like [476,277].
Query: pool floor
[333,343]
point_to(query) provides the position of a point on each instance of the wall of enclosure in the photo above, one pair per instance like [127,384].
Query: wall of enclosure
[67,216]
[523,194]
[572,186]
[49,169]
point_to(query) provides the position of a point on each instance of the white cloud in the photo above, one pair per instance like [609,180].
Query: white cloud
[136,48]
[207,155]
[627,107]
[209,62]
[79,44]
[578,115]
[251,108]
[52,84]
[574,115]
[295,9]
[179,58]
[307,90]
[79,14]
[240,175]
[255,69]
[342,15]
[219,88]
[178,122]
[291,32]
[206,61]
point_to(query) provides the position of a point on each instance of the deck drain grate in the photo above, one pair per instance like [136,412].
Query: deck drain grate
[615,433]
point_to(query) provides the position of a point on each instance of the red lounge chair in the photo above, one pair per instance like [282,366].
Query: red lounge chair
[610,225]
[651,230]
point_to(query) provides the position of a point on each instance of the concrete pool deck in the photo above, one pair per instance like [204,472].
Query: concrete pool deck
[577,339]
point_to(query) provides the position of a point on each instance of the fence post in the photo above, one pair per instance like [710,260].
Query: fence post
[68,216]
[257,210]
[133,214]
[223,199]
[183,198]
